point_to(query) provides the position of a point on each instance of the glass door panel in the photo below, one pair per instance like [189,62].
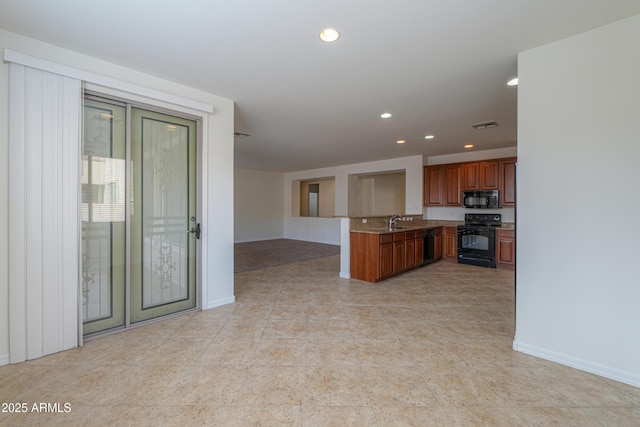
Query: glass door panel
[103,216]
[163,209]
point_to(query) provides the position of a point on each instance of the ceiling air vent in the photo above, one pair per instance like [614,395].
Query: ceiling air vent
[240,134]
[485,125]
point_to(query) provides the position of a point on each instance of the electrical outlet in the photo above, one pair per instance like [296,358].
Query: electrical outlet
[364,220]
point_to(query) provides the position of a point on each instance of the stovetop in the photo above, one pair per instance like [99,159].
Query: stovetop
[494,220]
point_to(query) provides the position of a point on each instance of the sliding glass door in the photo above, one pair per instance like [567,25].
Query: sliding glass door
[139,225]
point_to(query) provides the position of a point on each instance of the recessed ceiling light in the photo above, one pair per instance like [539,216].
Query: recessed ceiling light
[401,141]
[171,128]
[385,115]
[429,137]
[468,146]
[329,35]
[513,82]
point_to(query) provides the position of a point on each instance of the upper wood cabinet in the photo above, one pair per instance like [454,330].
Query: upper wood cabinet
[481,175]
[452,190]
[443,184]
[433,184]
[508,182]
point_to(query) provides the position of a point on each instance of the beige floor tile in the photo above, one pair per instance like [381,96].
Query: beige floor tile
[240,416]
[179,351]
[336,386]
[273,385]
[328,328]
[411,416]
[209,385]
[332,352]
[338,416]
[229,351]
[280,351]
[397,385]
[559,416]
[619,416]
[473,416]
[383,352]
[302,346]
[286,328]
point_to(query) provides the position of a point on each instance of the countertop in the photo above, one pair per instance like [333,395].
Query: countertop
[416,225]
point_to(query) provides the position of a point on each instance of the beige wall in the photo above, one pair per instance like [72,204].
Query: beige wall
[258,205]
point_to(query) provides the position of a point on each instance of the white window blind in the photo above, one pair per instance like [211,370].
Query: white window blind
[44,160]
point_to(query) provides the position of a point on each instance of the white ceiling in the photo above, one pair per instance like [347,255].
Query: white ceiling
[437,65]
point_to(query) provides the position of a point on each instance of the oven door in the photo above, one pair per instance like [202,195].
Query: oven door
[477,245]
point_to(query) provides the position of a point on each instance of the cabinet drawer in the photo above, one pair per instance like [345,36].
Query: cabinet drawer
[398,237]
[386,238]
[408,235]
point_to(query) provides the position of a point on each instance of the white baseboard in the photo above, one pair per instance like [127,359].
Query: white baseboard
[219,302]
[583,365]
[4,359]
[345,275]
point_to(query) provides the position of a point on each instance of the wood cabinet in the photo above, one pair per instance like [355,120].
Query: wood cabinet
[450,244]
[481,175]
[507,178]
[419,248]
[443,184]
[378,256]
[505,248]
[452,188]
[437,243]
[410,260]
[385,259]
[433,185]
[398,253]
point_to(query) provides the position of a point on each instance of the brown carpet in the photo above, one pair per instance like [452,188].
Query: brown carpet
[255,255]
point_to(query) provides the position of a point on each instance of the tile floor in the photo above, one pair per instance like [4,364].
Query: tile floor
[302,347]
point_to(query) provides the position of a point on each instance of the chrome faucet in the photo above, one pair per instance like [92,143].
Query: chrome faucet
[393,220]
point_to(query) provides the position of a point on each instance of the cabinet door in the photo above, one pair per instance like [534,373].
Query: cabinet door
[451,243]
[386,260]
[508,182]
[505,247]
[488,173]
[471,173]
[437,249]
[453,194]
[433,185]
[398,257]
[419,250]
[410,253]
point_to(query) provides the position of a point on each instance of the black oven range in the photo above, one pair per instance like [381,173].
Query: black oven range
[477,239]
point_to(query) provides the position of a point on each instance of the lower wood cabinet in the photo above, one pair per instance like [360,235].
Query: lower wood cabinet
[398,253]
[505,248]
[378,256]
[451,244]
[437,243]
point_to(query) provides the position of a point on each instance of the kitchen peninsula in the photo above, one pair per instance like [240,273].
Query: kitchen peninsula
[379,251]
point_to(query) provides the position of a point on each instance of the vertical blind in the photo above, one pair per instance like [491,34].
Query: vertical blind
[44,158]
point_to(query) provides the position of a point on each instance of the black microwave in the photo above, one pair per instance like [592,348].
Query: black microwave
[483,199]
